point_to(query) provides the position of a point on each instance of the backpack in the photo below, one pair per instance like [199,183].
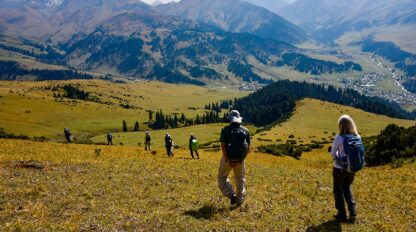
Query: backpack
[237,146]
[194,144]
[169,142]
[109,136]
[353,161]
[148,138]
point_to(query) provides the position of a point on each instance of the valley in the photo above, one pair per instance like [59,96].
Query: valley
[110,71]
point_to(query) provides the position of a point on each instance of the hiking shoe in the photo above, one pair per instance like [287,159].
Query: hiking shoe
[234,200]
[353,215]
[240,203]
[340,217]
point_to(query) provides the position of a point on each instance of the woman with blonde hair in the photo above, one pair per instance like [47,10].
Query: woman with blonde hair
[342,176]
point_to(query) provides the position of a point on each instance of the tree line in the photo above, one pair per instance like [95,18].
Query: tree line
[278,100]
[306,64]
[163,121]
[10,70]
[394,143]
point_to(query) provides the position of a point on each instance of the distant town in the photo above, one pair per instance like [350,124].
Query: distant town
[367,85]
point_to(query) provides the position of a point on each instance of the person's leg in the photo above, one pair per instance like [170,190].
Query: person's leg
[224,183]
[168,151]
[197,155]
[338,177]
[240,178]
[145,146]
[192,153]
[348,194]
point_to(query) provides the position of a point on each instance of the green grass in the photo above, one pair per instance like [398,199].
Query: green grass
[25,108]
[180,136]
[126,189]
[313,118]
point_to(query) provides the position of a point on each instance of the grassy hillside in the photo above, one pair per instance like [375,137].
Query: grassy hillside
[126,189]
[205,134]
[180,136]
[314,120]
[29,108]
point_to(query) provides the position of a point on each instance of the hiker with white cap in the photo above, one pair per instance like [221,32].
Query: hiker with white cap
[169,145]
[235,144]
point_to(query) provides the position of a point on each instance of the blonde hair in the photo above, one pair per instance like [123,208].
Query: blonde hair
[346,125]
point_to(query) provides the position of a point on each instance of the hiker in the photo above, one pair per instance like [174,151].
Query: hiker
[147,141]
[348,154]
[109,139]
[235,144]
[169,145]
[193,146]
[67,135]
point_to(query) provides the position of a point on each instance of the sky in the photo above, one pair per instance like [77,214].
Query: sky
[165,1]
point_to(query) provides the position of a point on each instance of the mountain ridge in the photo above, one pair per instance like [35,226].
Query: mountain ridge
[236,16]
[333,18]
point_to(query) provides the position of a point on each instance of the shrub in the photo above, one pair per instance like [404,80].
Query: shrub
[5,135]
[282,150]
[291,141]
[316,146]
[392,144]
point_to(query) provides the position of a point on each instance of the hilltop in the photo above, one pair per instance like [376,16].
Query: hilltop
[315,120]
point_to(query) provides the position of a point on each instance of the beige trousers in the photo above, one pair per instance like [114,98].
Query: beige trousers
[240,178]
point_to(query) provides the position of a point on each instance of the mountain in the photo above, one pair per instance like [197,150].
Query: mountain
[132,39]
[171,49]
[271,5]
[36,4]
[58,20]
[236,16]
[327,20]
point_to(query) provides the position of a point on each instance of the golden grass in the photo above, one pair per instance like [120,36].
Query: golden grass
[27,109]
[313,118]
[126,189]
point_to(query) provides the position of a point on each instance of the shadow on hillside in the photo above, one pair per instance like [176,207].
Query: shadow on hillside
[333,226]
[205,212]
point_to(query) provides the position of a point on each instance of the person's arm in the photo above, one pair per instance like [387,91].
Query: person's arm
[248,141]
[224,150]
[335,147]
[223,140]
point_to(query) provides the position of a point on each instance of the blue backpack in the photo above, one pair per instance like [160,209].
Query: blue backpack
[353,161]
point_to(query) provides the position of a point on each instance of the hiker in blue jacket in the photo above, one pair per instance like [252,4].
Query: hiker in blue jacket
[109,139]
